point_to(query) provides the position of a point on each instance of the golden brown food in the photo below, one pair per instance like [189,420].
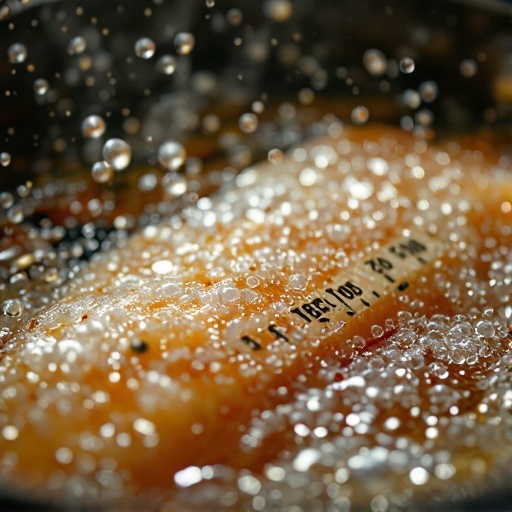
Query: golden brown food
[195,344]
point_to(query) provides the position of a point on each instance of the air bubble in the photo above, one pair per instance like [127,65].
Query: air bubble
[375,62]
[174,184]
[234,17]
[411,98]
[118,153]
[419,476]
[77,45]
[485,329]
[10,433]
[306,96]
[64,455]
[377,331]
[468,68]
[166,64]
[184,43]
[145,48]
[12,307]
[210,3]
[211,123]
[4,12]
[407,65]
[172,155]
[41,86]
[360,115]
[17,53]
[16,215]
[278,10]
[5,159]
[428,91]
[248,122]
[93,127]
[6,198]
[424,117]
[275,156]
[102,172]
[258,107]
[188,476]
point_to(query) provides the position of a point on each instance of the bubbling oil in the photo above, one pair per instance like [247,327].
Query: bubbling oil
[414,408]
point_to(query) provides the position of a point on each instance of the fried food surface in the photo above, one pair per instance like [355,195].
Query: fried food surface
[177,361]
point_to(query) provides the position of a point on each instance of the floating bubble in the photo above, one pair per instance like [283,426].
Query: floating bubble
[428,91]
[275,156]
[118,153]
[375,62]
[93,127]
[166,64]
[360,115]
[12,307]
[211,123]
[258,107]
[174,184]
[424,117]
[16,215]
[102,172]
[407,123]
[377,331]
[4,12]
[278,10]
[77,45]
[306,96]
[210,3]
[172,155]
[184,43]
[468,68]
[419,476]
[411,98]
[17,53]
[234,17]
[6,200]
[41,86]
[145,48]
[407,65]
[5,159]
[248,122]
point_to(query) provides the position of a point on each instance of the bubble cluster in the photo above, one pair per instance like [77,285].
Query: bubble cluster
[201,303]
[187,296]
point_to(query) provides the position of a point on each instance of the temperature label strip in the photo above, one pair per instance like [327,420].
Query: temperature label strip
[357,288]
[360,286]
